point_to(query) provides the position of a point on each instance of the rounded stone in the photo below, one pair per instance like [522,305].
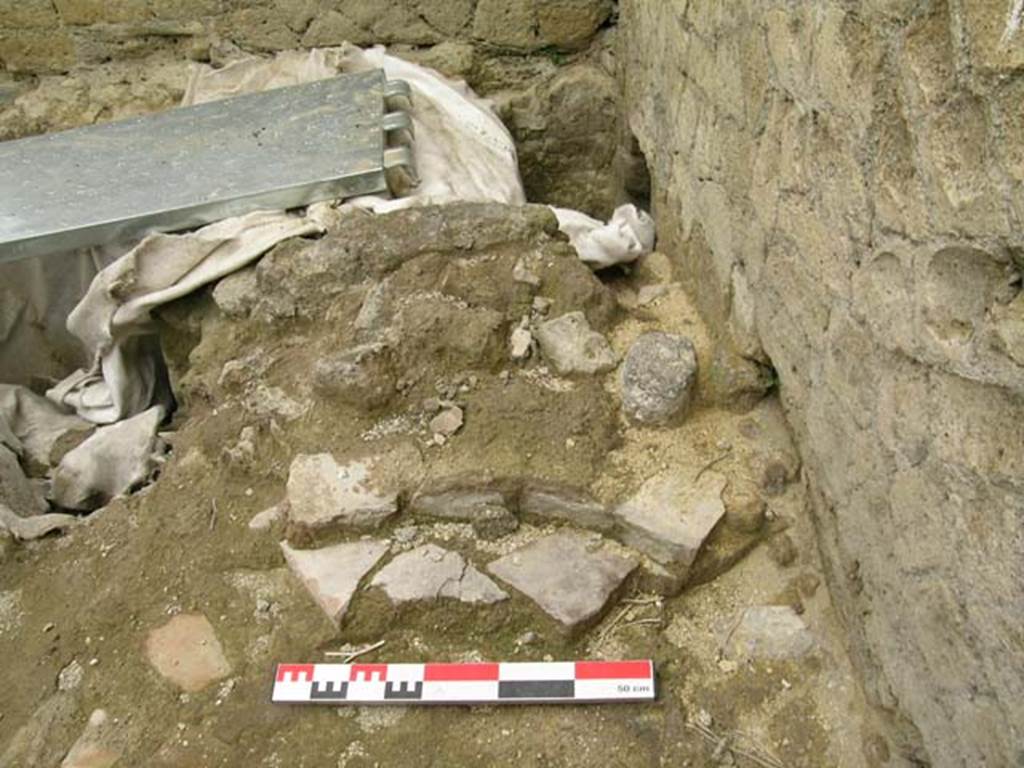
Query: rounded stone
[658,378]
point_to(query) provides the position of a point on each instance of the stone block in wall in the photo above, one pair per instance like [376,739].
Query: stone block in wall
[507,23]
[36,50]
[27,14]
[570,24]
[87,12]
[927,57]
[567,130]
[451,18]
[885,171]
[994,30]
[956,147]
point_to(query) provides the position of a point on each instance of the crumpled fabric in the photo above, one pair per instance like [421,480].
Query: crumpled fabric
[624,239]
[30,425]
[116,460]
[113,320]
[37,526]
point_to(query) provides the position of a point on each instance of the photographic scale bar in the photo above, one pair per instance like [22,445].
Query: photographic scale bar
[554,682]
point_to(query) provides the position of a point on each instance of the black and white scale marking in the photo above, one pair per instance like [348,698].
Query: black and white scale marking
[568,682]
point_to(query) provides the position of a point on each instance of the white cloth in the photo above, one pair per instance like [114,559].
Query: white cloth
[625,238]
[113,319]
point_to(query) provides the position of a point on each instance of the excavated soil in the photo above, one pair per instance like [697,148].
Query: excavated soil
[433,295]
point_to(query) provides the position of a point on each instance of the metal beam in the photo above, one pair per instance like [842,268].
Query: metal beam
[278,149]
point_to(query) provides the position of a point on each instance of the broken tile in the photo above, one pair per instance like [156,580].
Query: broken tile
[187,652]
[95,747]
[568,574]
[322,493]
[769,632]
[430,572]
[670,517]
[332,574]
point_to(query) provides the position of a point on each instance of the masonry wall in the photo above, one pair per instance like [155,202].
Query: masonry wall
[842,187]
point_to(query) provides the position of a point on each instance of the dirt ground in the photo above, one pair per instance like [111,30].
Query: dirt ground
[437,290]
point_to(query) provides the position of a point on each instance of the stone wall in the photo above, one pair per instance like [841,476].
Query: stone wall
[55,35]
[841,184]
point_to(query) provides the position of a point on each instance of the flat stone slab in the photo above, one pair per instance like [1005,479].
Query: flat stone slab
[573,347]
[670,517]
[480,502]
[769,632]
[187,652]
[322,493]
[568,574]
[430,572]
[554,501]
[332,574]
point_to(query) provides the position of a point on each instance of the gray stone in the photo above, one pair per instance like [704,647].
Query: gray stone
[771,632]
[187,652]
[322,494]
[237,293]
[658,378]
[362,376]
[70,677]
[16,490]
[568,574]
[573,347]
[35,526]
[649,294]
[265,520]
[459,498]
[447,422]
[554,501]
[332,574]
[494,523]
[745,509]
[520,343]
[430,572]
[670,517]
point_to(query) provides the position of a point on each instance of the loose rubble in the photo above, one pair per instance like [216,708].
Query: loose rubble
[573,347]
[521,535]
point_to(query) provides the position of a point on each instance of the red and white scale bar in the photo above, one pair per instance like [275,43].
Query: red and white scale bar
[557,682]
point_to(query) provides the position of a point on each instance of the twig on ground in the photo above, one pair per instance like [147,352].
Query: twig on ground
[608,630]
[711,463]
[755,754]
[641,622]
[348,656]
[649,600]
[213,514]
